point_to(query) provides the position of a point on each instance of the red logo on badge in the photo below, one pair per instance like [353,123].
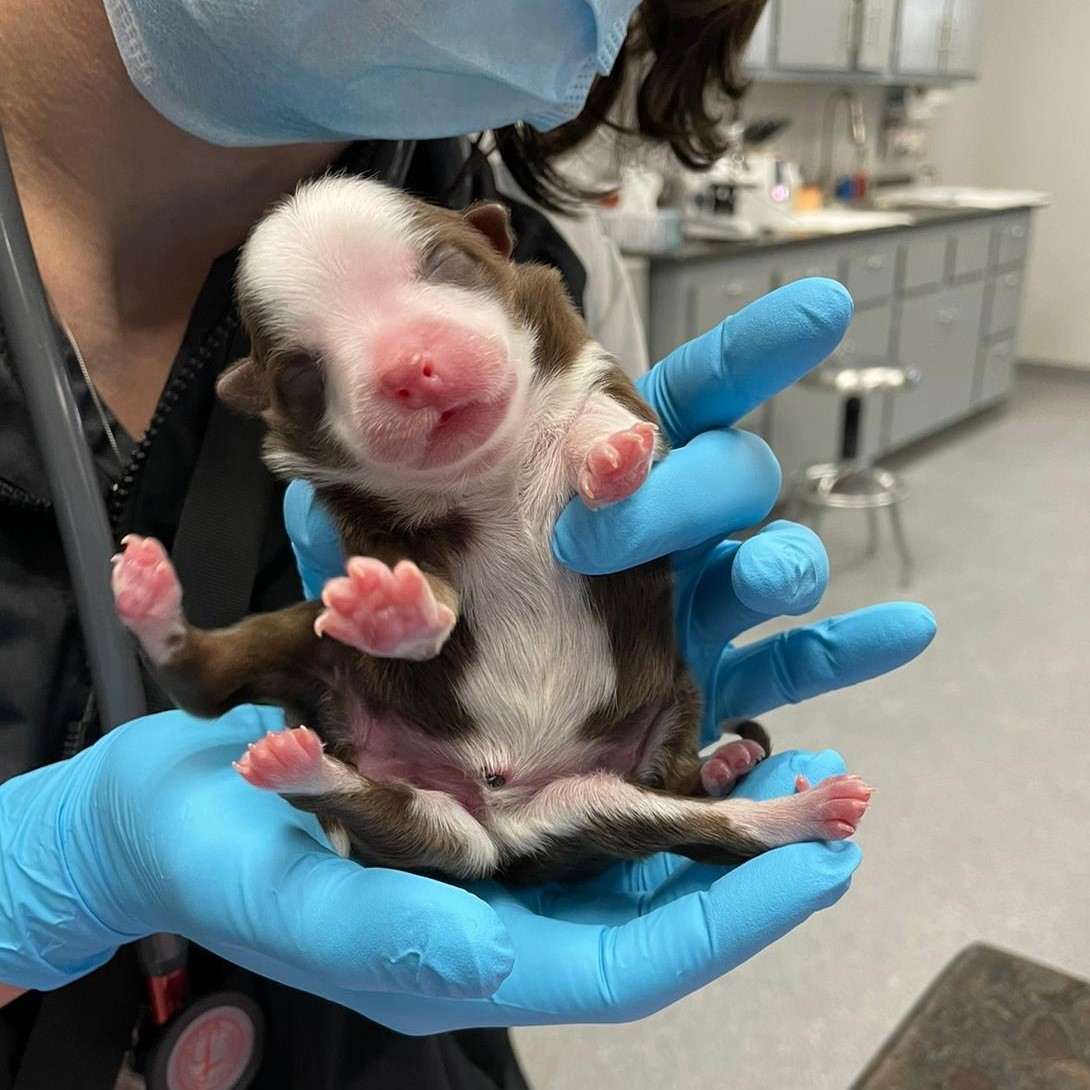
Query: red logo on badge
[213,1052]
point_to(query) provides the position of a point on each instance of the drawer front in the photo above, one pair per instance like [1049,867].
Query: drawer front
[971,246]
[1006,302]
[870,271]
[924,260]
[717,291]
[996,376]
[939,338]
[868,338]
[817,261]
[1013,240]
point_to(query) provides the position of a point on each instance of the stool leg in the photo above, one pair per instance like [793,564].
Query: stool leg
[902,543]
[872,531]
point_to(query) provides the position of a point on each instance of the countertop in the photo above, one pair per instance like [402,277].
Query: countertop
[694,249]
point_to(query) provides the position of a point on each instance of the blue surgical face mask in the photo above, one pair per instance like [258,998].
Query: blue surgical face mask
[251,72]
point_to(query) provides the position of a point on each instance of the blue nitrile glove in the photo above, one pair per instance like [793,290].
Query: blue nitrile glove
[717,481]
[643,935]
[151,829]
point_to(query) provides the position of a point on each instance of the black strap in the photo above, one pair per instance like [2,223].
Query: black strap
[218,544]
[84,1029]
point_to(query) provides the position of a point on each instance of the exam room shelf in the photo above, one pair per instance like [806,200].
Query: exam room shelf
[943,296]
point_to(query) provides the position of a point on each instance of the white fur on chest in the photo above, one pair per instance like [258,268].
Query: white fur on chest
[543,660]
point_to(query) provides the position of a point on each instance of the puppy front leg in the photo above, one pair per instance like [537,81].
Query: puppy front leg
[393,612]
[611,444]
[271,658]
[390,824]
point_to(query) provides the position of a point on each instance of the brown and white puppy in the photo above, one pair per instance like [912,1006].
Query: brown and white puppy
[471,707]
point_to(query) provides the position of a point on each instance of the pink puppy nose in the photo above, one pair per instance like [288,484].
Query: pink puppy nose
[413,380]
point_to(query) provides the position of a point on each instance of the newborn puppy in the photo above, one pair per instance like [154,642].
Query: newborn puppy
[458,702]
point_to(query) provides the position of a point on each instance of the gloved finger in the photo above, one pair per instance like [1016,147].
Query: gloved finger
[714,486]
[658,958]
[572,972]
[716,379]
[772,778]
[314,538]
[327,922]
[829,654]
[782,570]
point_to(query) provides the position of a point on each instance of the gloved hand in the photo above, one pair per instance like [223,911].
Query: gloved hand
[151,829]
[642,935]
[717,481]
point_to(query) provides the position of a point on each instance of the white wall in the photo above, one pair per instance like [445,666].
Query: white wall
[1026,124]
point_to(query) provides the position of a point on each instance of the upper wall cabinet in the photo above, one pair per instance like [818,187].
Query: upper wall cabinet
[759,50]
[815,34]
[939,38]
[876,20]
[868,41]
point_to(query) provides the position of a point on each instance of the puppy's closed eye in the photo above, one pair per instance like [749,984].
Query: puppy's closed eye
[447,264]
[299,382]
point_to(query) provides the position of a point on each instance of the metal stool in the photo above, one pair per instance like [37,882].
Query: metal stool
[855,482]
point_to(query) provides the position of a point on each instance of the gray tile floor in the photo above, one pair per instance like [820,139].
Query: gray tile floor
[981,827]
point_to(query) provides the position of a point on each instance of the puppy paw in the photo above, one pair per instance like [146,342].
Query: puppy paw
[384,612]
[148,596]
[728,764]
[617,465]
[287,761]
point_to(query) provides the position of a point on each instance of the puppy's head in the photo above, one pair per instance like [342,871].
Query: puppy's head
[390,343]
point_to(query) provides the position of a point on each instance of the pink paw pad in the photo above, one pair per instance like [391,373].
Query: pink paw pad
[617,465]
[288,761]
[145,586]
[729,763]
[384,612]
[147,595]
[835,806]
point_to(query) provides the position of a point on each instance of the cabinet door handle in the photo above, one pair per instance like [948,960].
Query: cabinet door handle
[815,270]
[1018,231]
[734,288]
[1003,350]
[875,261]
[1012,280]
[949,316]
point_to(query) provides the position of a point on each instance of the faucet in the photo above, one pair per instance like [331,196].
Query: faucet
[857,131]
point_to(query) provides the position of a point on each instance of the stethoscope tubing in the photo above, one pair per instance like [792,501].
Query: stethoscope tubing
[84,527]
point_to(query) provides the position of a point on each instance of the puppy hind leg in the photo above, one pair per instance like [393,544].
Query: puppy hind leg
[390,824]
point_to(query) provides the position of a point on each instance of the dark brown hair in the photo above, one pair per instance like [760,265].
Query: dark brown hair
[686,50]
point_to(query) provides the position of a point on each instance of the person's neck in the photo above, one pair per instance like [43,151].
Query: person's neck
[126,212]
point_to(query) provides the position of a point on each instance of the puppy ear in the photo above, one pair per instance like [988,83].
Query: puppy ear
[493,220]
[243,387]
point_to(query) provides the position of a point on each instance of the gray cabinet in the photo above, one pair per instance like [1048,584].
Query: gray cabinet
[875,35]
[965,34]
[815,35]
[758,51]
[940,332]
[944,299]
[921,37]
[995,374]
[689,298]
[939,38]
